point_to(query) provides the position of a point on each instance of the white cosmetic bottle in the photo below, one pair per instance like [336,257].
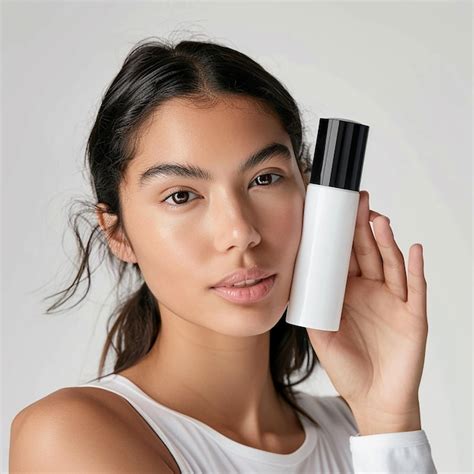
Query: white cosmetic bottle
[330,212]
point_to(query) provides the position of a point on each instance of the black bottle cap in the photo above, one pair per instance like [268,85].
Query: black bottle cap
[339,153]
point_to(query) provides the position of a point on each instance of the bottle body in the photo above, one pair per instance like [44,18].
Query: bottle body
[322,263]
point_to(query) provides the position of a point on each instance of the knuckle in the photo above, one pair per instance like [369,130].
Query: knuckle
[362,249]
[394,264]
[415,289]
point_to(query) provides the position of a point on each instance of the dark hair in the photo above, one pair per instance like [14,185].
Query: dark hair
[153,72]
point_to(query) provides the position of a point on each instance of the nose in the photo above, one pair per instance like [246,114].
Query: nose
[234,226]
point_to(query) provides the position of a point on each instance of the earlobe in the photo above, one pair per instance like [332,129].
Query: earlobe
[123,251]
[118,243]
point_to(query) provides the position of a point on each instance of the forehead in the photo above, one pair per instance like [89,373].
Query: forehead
[221,133]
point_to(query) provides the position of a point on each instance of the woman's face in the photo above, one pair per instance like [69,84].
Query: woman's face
[185,243]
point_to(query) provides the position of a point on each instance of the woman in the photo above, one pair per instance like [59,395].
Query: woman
[199,168]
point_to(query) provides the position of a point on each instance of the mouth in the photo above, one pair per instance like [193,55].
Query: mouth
[247,294]
[251,283]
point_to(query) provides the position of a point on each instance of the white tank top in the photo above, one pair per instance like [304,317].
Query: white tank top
[334,446]
[198,448]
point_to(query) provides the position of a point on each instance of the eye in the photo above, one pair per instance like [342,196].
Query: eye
[269,174]
[180,201]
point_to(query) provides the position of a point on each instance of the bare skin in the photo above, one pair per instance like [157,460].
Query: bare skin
[85,429]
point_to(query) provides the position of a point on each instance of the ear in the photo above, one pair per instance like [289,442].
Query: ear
[118,243]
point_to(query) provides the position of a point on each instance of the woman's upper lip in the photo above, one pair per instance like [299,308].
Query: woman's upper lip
[242,274]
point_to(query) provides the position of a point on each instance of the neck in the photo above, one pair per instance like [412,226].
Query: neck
[223,381]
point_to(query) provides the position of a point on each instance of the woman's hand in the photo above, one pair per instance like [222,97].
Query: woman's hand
[375,360]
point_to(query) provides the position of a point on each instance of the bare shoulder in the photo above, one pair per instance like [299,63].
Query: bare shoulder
[82,429]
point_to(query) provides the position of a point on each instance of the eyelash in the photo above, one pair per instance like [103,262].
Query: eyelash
[186,191]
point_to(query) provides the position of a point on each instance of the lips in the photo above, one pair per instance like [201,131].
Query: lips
[243,274]
[249,295]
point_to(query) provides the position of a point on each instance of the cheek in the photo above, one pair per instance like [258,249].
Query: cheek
[165,250]
[283,224]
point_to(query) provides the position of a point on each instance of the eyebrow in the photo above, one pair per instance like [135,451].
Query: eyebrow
[195,172]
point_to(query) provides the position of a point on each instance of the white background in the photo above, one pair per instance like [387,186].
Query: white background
[404,69]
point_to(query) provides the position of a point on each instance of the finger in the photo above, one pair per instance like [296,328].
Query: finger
[365,246]
[373,214]
[393,262]
[416,281]
[354,269]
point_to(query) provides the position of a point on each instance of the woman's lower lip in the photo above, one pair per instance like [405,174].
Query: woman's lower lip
[249,294]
